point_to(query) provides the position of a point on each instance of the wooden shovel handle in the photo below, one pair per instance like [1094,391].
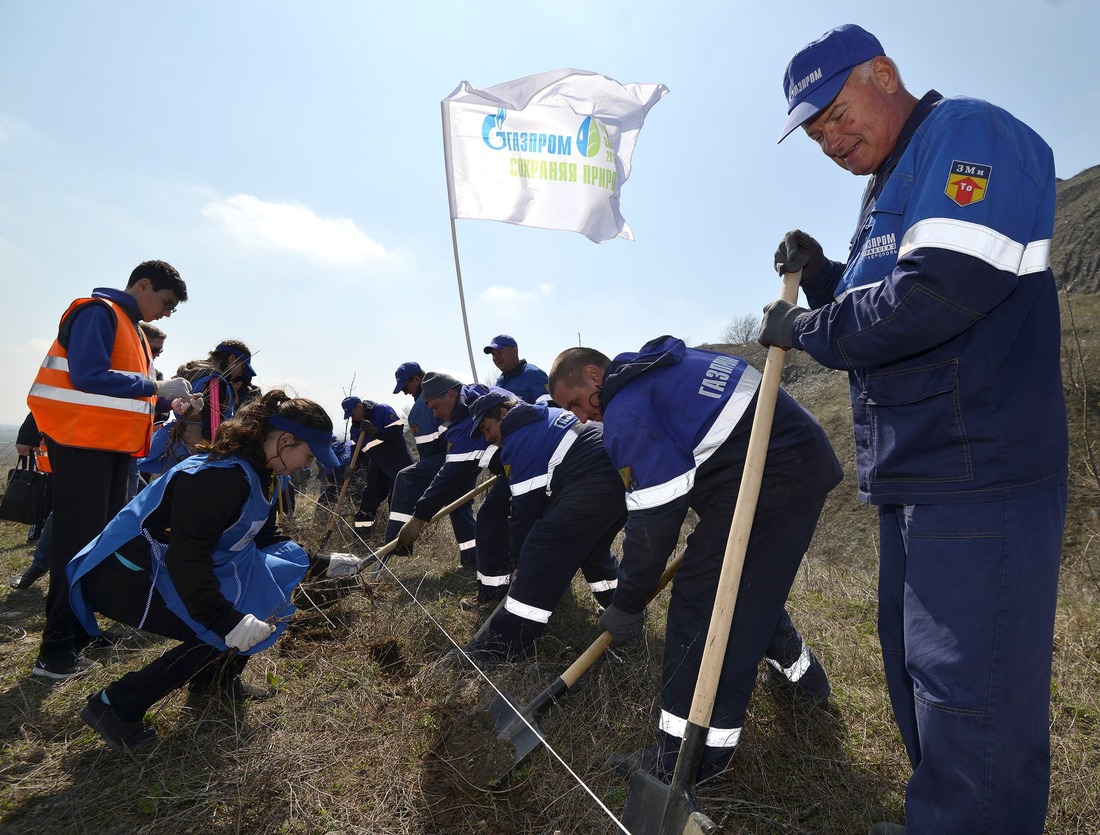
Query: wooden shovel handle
[729,581]
[444,511]
[599,646]
[343,489]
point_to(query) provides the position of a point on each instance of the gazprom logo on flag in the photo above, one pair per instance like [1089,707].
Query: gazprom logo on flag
[541,143]
[590,140]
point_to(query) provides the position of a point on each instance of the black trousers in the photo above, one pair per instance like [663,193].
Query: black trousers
[124,595]
[89,488]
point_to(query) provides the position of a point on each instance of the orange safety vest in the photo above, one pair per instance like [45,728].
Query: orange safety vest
[72,417]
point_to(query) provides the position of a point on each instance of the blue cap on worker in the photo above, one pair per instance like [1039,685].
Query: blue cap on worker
[502,341]
[482,405]
[348,404]
[404,372]
[818,72]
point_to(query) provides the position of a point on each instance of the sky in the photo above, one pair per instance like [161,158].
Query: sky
[287,159]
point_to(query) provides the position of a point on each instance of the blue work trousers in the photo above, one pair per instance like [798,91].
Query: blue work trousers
[494,561]
[574,533]
[967,596]
[409,486]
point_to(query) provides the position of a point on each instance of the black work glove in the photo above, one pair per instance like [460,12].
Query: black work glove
[410,532]
[623,626]
[778,324]
[798,251]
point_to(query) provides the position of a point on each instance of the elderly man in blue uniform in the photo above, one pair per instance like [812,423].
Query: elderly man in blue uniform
[467,456]
[431,450]
[518,376]
[567,507]
[692,455]
[384,449]
[945,316]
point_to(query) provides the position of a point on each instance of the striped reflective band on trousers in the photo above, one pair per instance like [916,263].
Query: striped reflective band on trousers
[499,580]
[716,737]
[567,440]
[525,611]
[534,613]
[798,669]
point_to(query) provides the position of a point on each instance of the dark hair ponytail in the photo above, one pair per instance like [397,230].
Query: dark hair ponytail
[244,433]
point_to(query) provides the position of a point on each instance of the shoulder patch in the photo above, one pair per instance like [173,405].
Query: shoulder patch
[630,483]
[967,182]
[507,470]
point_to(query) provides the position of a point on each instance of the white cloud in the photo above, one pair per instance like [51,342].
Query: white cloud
[291,227]
[499,294]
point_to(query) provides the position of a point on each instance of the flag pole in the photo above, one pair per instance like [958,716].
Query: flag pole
[444,106]
[462,302]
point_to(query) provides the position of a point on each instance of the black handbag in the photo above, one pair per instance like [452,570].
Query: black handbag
[26,496]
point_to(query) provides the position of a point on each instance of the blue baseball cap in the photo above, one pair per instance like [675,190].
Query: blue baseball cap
[502,341]
[483,404]
[404,372]
[816,74]
[348,404]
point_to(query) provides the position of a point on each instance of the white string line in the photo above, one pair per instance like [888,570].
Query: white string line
[480,672]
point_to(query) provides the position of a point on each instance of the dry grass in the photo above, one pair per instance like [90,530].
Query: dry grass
[377,726]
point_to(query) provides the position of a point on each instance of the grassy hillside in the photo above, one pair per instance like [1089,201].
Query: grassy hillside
[376,726]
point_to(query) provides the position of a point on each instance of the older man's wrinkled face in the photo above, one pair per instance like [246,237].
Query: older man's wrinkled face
[859,128]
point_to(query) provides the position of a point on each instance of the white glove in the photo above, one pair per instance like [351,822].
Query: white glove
[174,387]
[343,565]
[249,632]
[191,404]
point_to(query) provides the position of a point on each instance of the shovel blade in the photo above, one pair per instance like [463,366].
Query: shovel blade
[653,807]
[512,730]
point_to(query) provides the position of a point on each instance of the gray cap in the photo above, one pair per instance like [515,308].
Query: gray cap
[434,384]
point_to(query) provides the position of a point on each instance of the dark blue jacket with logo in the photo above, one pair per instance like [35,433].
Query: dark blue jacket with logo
[666,409]
[946,314]
[543,450]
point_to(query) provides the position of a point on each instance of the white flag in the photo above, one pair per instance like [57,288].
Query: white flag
[550,150]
